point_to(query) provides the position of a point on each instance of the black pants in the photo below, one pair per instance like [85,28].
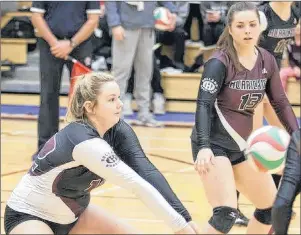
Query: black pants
[194,12]
[155,82]
[175,38]
[212,32]
[50,82]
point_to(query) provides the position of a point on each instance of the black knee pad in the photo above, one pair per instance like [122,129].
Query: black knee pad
[264,216]
[223,218]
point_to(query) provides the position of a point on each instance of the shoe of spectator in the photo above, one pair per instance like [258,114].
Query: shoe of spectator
[171,70]
[147,119]
[179,65]
[166,62]
[241,220]
[158,103]
[127,104]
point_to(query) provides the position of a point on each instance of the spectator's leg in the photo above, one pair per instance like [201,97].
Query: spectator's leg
[179,46]
[50,81]
[217,31]
[158,97]
[156,80]
[285,74]
[123,53]
[130,86]
[208,35]
[143,64]
[188,22]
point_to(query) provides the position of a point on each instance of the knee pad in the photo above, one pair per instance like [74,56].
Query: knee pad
[223,218]
[264,216]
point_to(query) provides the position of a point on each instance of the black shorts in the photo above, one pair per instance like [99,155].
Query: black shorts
[234,157]
[13,218]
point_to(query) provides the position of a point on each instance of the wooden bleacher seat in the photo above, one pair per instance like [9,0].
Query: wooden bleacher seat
[15,49]
[181,86]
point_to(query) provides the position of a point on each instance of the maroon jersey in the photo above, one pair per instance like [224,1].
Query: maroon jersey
[227,99]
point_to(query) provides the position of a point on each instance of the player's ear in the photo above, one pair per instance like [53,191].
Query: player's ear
[229,30]
[89,107]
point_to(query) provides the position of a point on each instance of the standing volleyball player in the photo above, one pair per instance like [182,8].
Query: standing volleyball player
[54,196]
[290,187]
[281,21]
[234,81]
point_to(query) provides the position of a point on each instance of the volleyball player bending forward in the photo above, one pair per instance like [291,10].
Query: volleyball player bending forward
[234,81]
[54,196]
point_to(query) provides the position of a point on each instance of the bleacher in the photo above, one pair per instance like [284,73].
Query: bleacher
[14,50]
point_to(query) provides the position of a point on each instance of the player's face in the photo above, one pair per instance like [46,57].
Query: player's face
[109,106]
[245,28]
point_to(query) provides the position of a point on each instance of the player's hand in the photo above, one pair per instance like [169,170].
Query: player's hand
[61,49]
[118,33]
[194,226]
[204,161]
[186,230]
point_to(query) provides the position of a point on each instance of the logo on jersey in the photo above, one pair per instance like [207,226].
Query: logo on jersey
[110,159]
[209,85]
[264,71]
[249,85]
[282,33]
[233,214]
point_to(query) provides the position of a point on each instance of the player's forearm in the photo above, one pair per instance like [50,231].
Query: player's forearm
[158,181]
[43,29]
[86,30]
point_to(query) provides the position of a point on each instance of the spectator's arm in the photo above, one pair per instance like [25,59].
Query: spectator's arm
[38,9]
[113,16]
[93,12]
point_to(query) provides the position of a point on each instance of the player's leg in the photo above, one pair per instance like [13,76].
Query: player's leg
[20,223]
[219,186]
[289,188]
[32,227]
[95,220]
[260,189]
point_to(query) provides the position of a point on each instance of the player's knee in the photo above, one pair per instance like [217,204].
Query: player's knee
[223,218]
[264,216]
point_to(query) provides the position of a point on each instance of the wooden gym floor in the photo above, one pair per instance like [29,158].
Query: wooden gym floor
[167,148]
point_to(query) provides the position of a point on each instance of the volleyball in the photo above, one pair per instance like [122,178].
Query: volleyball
[266,149]
[162,19]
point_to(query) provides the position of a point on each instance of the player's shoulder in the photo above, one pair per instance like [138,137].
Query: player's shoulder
[267,57]
[78,132]
[119,132]
[220,55]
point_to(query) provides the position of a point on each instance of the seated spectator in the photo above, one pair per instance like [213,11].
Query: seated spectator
[214,15]
[176,38]
[294,59]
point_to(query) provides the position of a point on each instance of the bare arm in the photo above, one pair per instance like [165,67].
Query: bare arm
[87,29]
[40,24]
